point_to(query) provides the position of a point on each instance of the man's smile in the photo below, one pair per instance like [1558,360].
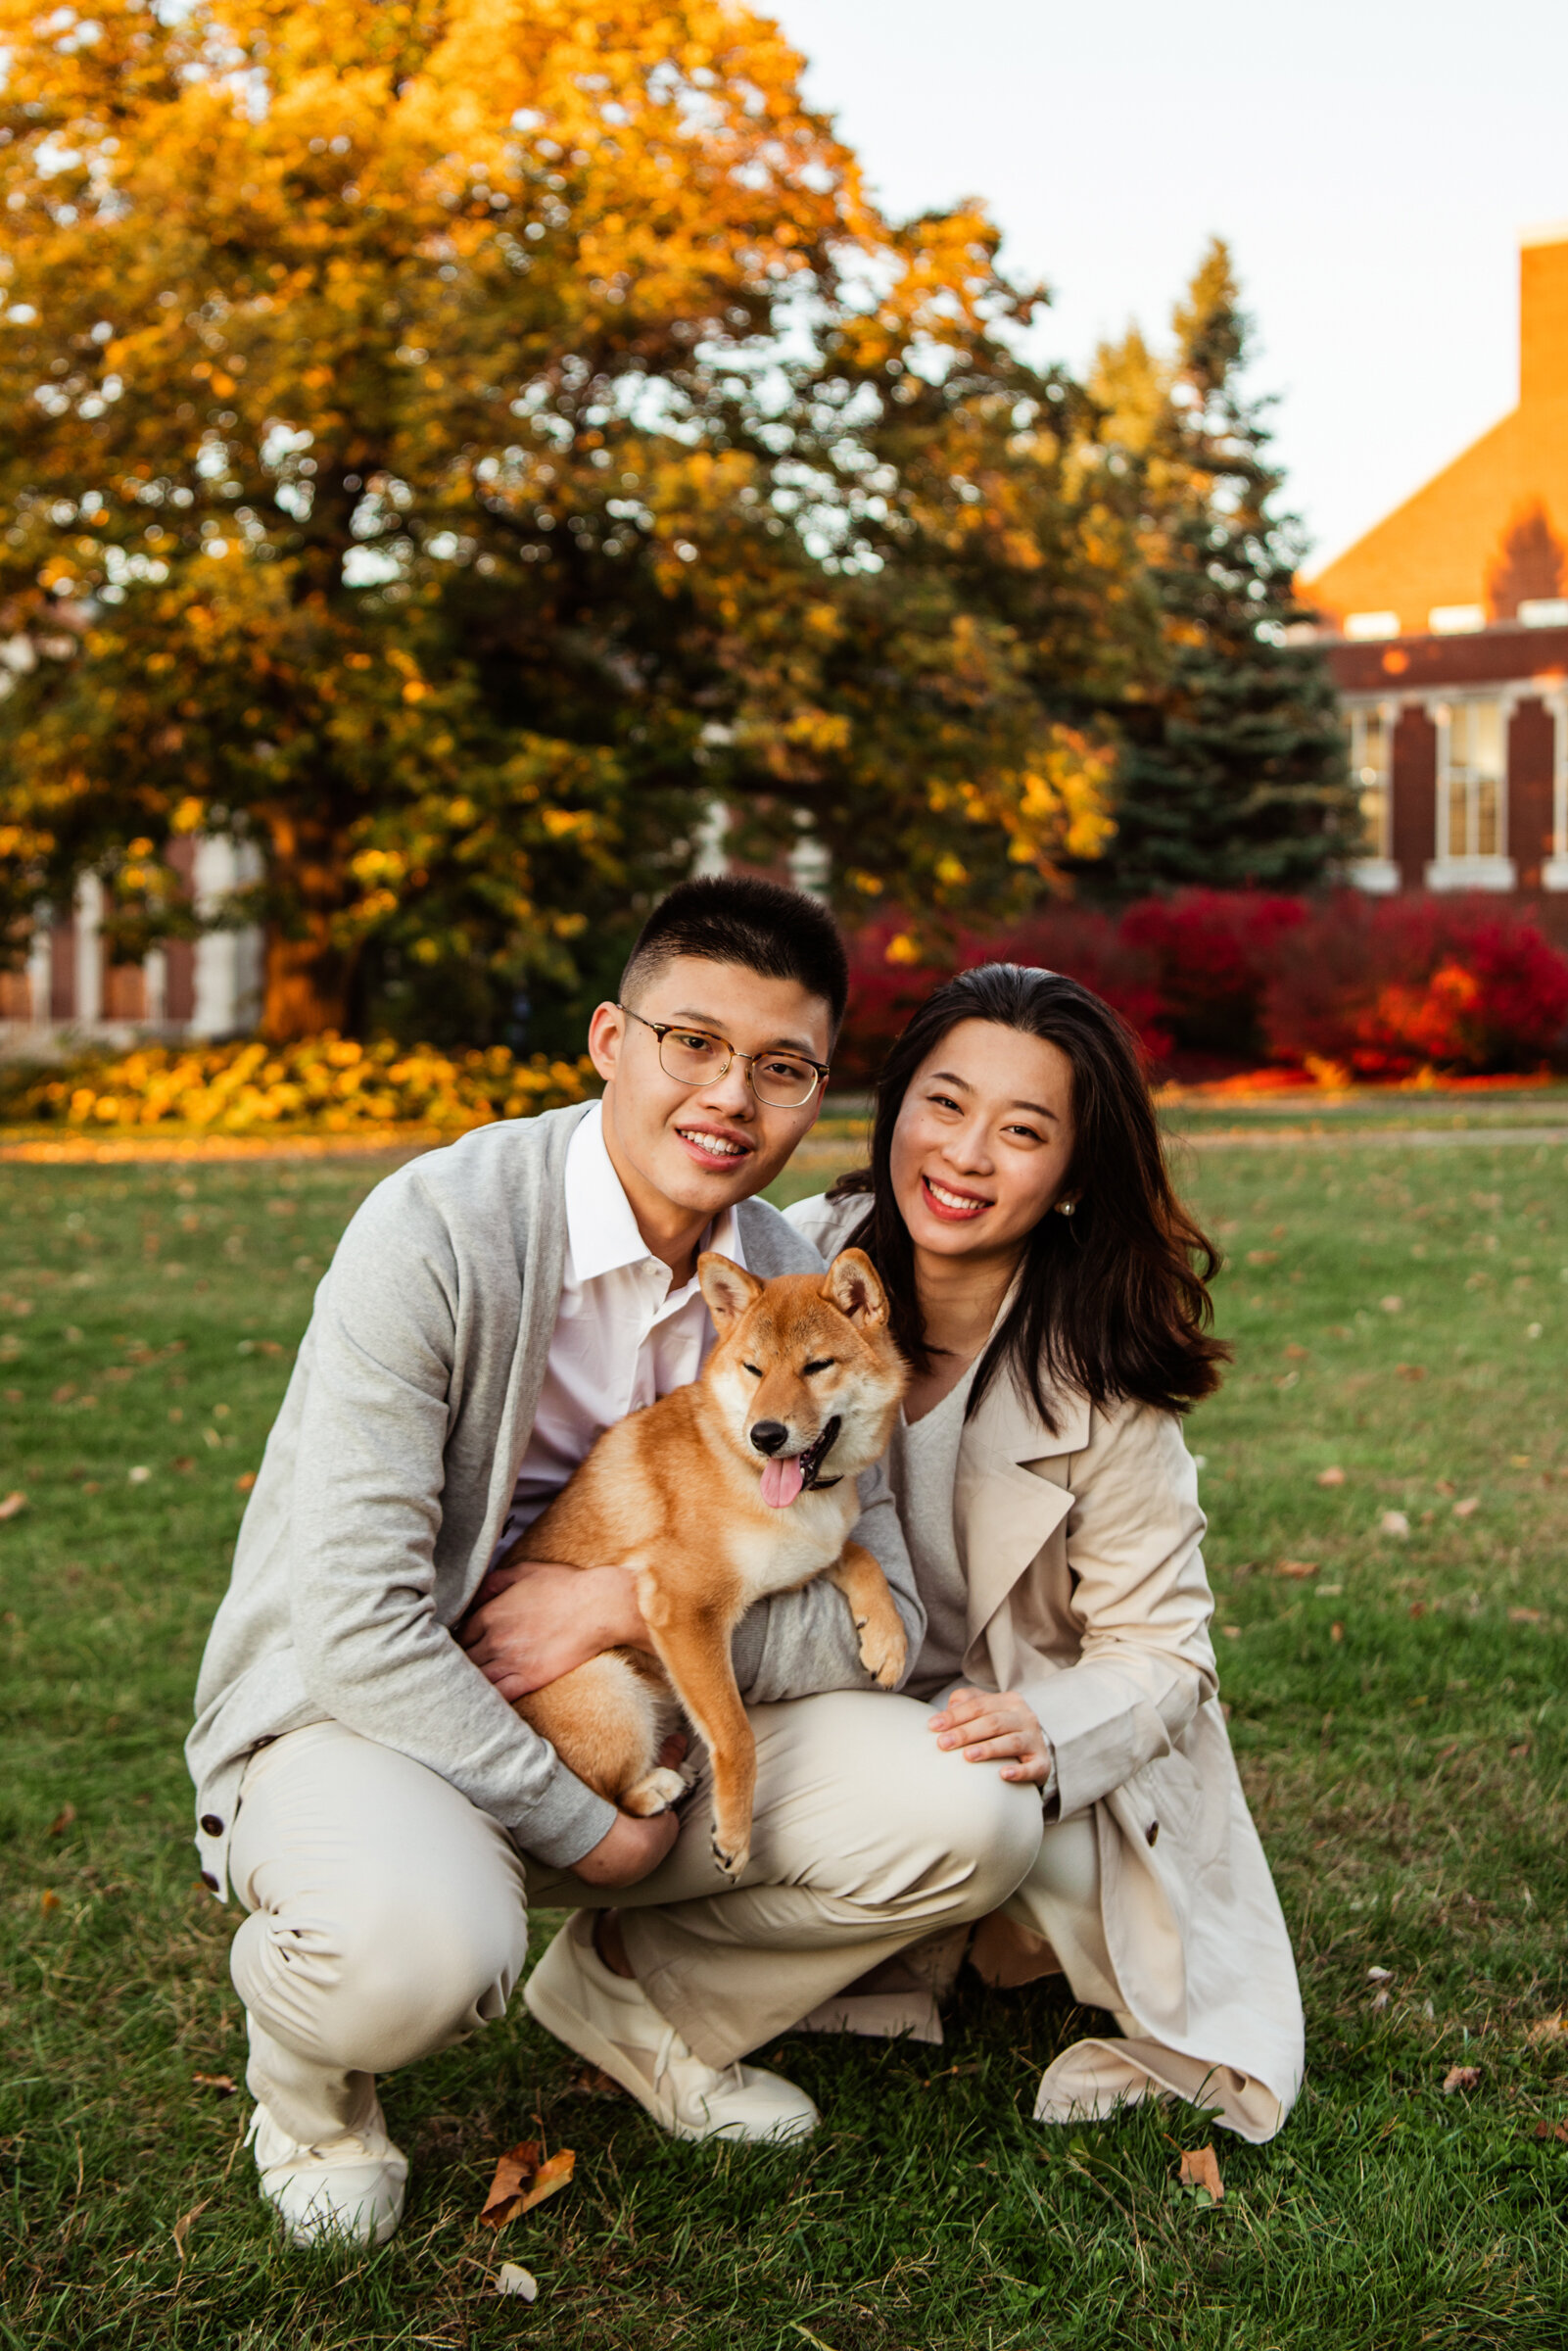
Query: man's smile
[715,1146]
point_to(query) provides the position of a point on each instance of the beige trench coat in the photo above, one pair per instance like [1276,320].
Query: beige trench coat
[1087,1594]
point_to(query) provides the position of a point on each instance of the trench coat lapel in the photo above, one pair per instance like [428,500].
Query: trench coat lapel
[1002,1510]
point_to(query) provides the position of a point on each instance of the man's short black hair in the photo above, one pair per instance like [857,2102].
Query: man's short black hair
[739,918]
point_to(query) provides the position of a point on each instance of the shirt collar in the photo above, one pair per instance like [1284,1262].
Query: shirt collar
[600,1229]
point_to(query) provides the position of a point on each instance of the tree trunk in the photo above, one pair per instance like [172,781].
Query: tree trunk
[307,985]
[307,975]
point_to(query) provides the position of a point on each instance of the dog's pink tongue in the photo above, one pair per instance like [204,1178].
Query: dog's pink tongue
[781,1481]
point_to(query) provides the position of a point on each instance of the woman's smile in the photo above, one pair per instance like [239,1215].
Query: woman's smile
[945,1200]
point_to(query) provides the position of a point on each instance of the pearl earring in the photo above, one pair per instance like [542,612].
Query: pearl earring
[1064,1208]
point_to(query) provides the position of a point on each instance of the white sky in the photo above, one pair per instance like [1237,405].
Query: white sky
[1370,162]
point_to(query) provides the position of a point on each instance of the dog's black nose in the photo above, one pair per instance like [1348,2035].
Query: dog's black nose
[768,1435]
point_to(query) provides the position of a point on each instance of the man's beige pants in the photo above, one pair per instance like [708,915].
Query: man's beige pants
[388,1916]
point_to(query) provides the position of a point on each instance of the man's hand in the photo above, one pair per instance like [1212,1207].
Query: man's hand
[629,1850]
[533,1622]
[996,1727]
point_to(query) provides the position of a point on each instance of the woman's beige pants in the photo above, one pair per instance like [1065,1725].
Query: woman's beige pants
[387,1917]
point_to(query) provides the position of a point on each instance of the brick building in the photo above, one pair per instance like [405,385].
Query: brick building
[205,988]
[1446,629]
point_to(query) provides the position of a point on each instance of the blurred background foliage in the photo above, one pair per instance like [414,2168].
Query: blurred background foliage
[478,455]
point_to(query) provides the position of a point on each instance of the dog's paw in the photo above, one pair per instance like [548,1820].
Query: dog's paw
[730,1860]
[656,1792]
[883,1650]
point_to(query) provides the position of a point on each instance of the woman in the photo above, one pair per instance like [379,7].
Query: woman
[1050,1294]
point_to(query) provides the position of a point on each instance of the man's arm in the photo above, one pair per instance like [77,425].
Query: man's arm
[366,1512]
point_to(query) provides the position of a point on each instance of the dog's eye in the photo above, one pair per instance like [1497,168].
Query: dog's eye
[826,1364]
[755,1369]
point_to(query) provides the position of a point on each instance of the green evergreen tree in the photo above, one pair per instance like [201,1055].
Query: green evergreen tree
[1233,773]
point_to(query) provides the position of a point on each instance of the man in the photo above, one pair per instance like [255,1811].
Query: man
[363,1784]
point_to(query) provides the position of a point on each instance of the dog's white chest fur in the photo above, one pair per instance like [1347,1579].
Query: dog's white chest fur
[794,1544]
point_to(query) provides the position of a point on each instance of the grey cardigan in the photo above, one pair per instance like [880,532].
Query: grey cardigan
[386,1479]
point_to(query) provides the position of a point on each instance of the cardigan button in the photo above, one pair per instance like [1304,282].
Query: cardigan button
[208,1881]
[212,1826]
[1152,1831]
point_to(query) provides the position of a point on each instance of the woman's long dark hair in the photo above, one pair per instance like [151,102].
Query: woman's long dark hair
[1113,1301]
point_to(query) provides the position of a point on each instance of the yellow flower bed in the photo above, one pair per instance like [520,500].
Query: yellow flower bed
[329,1084]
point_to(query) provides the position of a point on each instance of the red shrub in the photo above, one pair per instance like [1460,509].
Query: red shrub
[1213,952]
[1381,986]
[1386,986]
[1084,944]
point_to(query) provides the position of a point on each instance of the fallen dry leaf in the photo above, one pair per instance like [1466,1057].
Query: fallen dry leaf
[594,2083]
[224,2084]
[13,1506]
[1199,2168]
[1526,1616]
[511,2279]
[1331,1477]
[62,1819]
[1336,1632]
[1393,1522]
[1468,1507]
[554,2174]
[48,1901]
[244,1481]
[1262,1256]
[522,2181]
[1546,2129]
[182,2227]
[1379,1975]
[1460,2077]
[1297,1354]
[514,2171]
[1299,1568]
[1549,2032]
[1410,1371]
[1392,1305]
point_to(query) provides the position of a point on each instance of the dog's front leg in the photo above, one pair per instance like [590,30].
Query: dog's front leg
[694,1648]
[883,1643]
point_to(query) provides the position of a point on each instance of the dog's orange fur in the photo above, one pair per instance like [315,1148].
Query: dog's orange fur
[674,1494]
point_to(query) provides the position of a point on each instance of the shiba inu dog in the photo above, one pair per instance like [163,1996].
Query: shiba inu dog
[741,1484]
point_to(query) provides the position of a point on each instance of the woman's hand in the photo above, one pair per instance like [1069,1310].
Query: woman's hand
[531,1623]
[996,1727]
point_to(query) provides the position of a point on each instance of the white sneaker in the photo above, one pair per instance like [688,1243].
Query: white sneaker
[611,2021]
[350,2187]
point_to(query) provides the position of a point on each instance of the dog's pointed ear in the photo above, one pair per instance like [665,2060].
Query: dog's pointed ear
[727,1288]
[854,1286]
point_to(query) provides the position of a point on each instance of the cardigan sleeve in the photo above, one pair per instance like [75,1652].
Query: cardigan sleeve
[366,1508]
[1141,1603]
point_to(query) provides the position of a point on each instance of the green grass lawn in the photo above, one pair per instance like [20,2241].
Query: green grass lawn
[1399,1317]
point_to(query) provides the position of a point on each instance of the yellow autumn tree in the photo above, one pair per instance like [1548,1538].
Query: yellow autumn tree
[452,446]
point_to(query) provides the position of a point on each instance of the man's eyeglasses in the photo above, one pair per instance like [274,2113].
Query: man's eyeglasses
[695,1057]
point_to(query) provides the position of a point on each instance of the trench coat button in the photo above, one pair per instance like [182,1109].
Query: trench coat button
[208,1881]
[212,1826]
[1152,1831]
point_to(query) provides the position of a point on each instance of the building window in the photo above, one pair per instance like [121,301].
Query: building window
[1371,761]
[1472,812]
[1472,780]
[1370,729]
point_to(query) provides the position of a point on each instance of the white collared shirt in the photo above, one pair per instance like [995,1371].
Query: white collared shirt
[623,1337]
